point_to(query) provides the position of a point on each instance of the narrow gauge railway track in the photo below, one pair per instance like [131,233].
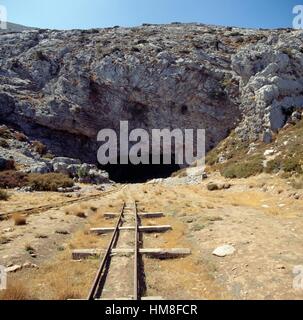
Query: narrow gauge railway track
[39,209]
[99,281]
[125,276]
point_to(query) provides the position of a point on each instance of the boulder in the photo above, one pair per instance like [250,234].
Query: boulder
[40,168]
[85,168]
[267,137]
[60,167]
[269,152]
[98,176]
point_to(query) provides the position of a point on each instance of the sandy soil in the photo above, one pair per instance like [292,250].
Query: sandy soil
[258,216]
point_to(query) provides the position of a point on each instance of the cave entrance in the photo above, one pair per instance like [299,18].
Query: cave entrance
[130,173]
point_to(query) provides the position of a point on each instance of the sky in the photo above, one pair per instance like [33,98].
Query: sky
[84,14]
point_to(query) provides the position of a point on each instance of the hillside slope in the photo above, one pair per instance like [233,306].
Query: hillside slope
[62,87]
[15,28]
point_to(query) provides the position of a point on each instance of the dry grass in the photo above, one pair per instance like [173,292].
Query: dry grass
[4,196]
[19,220]
[39,147]
[67,294]
[61,278]
[49,181]
[76,210]
[81,214]
[12,179]
[20,136]
[16,291]
[297,183]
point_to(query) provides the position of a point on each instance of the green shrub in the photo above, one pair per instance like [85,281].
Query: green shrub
[81,173]
[292,164]
[273,166]
[12,179]
[49,181]
[243,169]
[212,157]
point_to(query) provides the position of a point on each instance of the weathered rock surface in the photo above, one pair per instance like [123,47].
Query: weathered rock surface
[62,87]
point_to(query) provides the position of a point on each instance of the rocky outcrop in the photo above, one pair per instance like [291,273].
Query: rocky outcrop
[62,87]
[83,172]
[271,83]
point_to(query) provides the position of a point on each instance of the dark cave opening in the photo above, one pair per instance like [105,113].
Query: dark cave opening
[130,173]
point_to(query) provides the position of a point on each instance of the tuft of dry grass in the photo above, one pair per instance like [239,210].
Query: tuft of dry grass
[66,294]
[16,291]
[39,147]
[19,220]
[297,183]
[4,196]
[81,214]
[20,136]
[78,211]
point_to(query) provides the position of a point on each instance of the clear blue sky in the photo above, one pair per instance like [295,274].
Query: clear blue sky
[68,14]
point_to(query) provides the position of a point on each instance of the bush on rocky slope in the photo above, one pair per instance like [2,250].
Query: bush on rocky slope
[243,169]
[237,159]
[39,147]
[20,136]
[37,182]
[49,181]
[12,179]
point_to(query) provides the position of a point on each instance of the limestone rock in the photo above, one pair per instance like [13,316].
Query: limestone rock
[13,268]
[63,87]
[66,161]
[41,169]
[60,167]
[223,251]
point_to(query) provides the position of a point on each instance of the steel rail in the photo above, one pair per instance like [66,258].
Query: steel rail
[40,209]
[136,254]
[106,257]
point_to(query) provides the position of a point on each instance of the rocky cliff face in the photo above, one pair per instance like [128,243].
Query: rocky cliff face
[62,87]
